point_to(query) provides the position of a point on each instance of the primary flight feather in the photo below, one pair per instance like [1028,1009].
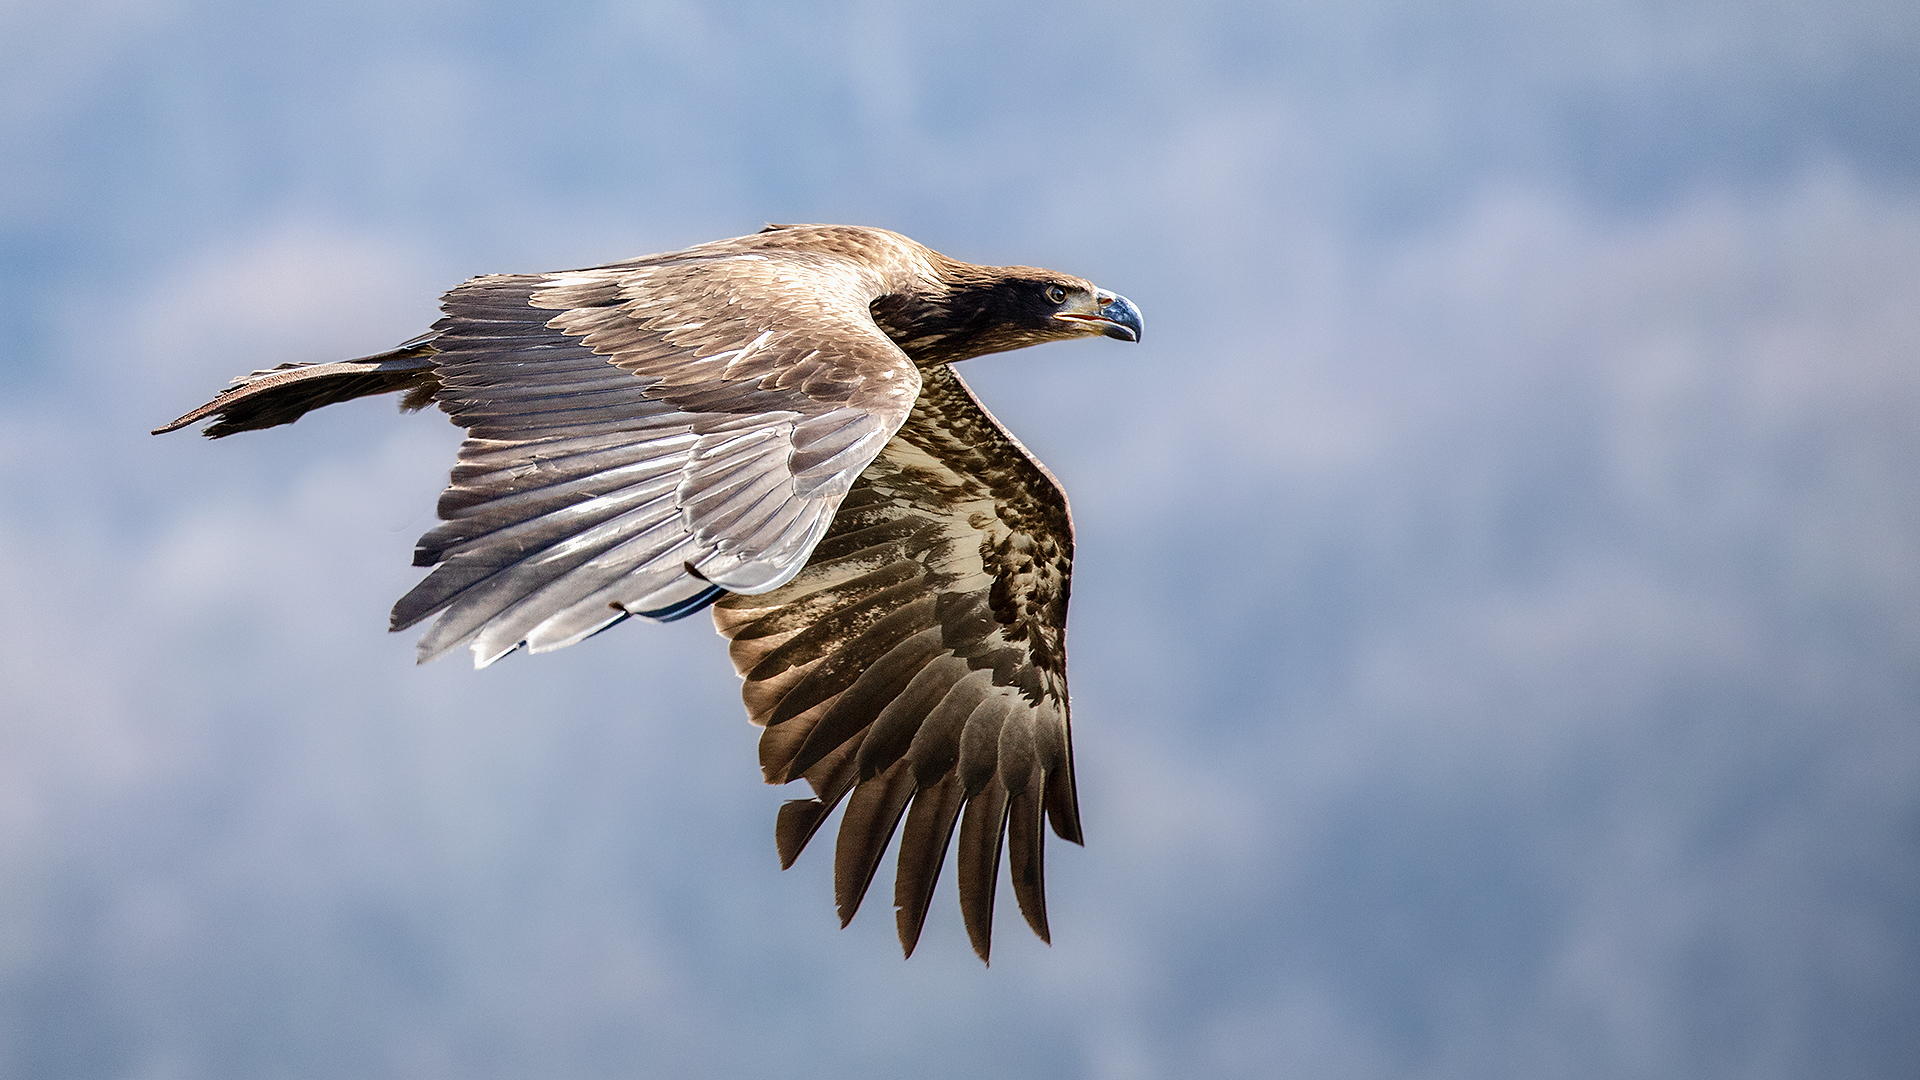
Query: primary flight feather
[769,425]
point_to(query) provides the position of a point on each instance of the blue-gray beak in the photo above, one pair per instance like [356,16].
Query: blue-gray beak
[1122,319]
[1110,313]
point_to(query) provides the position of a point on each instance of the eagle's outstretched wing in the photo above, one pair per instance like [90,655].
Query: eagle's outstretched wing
[918,663]
[643,436]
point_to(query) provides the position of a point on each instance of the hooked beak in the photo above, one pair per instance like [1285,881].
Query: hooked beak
[1108,313]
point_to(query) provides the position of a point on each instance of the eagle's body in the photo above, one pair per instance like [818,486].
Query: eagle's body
[769,422]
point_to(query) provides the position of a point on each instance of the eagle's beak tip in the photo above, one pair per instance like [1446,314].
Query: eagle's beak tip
[1122,320]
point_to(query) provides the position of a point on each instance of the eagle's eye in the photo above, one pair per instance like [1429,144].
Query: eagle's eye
[1056,294]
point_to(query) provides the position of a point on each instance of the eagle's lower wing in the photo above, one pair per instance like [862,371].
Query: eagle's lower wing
[917,661]
[644,436]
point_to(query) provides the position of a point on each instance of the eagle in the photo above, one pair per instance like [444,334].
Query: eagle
[770,426]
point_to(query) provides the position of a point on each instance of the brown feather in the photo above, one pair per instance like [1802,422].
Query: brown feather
[1026,845]
[923,847]
[284,394]
[796,823]
[879,684]
[981,829]
[872,814]
[900,720]
[839,669]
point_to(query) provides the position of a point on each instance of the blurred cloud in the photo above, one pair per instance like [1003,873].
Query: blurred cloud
[1494,623]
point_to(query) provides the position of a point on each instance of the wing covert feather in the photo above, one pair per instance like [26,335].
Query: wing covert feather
[644,435]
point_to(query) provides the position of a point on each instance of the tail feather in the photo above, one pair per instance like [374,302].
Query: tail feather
[284,394]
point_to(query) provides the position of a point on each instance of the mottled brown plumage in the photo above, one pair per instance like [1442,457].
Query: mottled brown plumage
[770,422]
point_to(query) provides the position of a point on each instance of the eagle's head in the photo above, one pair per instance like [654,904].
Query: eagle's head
[988,309]
[1026,306]
[1070,307]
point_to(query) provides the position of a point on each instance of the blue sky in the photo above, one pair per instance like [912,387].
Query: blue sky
[1494,634]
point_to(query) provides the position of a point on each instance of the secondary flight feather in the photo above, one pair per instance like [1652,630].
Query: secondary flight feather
[769,426]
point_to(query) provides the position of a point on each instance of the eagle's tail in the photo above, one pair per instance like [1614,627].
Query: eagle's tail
[284,394]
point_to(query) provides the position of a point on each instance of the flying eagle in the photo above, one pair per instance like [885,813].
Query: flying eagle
[769,425]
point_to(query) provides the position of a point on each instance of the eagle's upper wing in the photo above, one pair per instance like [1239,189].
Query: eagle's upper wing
[646,434]
[919,659]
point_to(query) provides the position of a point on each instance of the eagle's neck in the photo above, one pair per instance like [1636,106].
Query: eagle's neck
[965,311]
[924,327]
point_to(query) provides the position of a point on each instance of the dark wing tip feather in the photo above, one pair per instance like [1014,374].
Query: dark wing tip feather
[923,848]
[831,779]
[799,819]
[873,813]
[1026,846]
[1063,803]
[983,826]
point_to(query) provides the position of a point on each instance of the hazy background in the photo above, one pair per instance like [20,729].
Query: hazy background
[1496,629]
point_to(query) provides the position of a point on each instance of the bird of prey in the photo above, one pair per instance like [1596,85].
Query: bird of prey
[769,426]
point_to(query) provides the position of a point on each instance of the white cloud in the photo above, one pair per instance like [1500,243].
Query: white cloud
[1506,670]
